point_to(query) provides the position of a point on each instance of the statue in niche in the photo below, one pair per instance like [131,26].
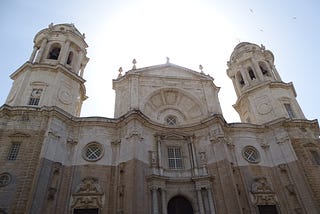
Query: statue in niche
[203,158]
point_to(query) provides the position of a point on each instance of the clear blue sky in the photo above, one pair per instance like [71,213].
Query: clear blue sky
[189,32]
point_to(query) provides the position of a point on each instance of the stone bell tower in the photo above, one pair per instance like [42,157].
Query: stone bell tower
[262,95]
[53,74]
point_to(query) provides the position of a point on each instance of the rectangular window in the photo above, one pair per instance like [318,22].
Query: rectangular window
[13,152]
[289,110]
[316,157]
[35,97]
[174,157]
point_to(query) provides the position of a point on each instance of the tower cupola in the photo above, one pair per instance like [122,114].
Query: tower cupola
[61,44]
[53,74]
[262,96]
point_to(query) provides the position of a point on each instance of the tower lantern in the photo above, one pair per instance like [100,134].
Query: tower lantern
[53,74]
[262,95]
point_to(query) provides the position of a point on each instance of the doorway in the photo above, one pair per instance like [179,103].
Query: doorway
[267,209]
[86,211]
[179,205]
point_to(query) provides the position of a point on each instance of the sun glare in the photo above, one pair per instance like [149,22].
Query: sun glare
[189,34]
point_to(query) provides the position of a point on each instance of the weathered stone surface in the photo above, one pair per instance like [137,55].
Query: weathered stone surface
[140,162]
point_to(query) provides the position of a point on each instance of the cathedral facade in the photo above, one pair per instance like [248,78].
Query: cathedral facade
[168,149]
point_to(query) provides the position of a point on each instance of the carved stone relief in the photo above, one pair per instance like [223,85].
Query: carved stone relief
[262,193]
[88,194]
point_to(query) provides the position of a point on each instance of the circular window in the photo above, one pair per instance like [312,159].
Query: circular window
[251,154]
[93,151]
[171,120]
[5,179]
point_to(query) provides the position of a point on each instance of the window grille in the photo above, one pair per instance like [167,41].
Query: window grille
[35,97]
[93,152]
[171,120]
[175,158]
[13,152]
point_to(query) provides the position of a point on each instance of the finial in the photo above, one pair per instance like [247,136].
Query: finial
[201,67]
[120,72]
[168,60]
[134,62]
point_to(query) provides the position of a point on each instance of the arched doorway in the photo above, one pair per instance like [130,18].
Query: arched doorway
[179,205]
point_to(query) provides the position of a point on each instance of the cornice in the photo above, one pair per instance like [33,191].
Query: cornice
[56,68]
[252,89]
[161,128]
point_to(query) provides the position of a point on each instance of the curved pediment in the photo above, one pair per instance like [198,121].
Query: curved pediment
[170,70]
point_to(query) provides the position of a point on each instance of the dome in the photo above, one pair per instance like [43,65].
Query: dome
[243,47]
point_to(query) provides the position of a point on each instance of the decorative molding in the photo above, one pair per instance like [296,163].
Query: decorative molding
[134,134]
[51,193]
[264,144]
[72,142]
[56,166]
[19,136]
[88,194]
[290,188]
[153,158]
[282,138]
[203,158]
[116,142]
[54,134]
[283,167]
[262,193]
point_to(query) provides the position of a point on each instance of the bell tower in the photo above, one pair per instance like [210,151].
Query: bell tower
[53,74]
[262,95]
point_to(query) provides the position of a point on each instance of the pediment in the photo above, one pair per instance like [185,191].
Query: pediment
[170,70]
[173,136]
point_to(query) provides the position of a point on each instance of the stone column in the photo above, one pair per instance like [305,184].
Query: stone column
[194,157]
[134,92]
[163,201]
[65,52]
[257,69]
[155,209]
[211,204]
[159,155]
[245,77]
[78,63]
[235,82]
[200,201]
[81,70]
[41,49]
[35,49]
[274,70]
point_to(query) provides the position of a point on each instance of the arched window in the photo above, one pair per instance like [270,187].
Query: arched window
[240,79]
[264,69]
[70,57]
[251,73]
[54,52]
[289,110]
